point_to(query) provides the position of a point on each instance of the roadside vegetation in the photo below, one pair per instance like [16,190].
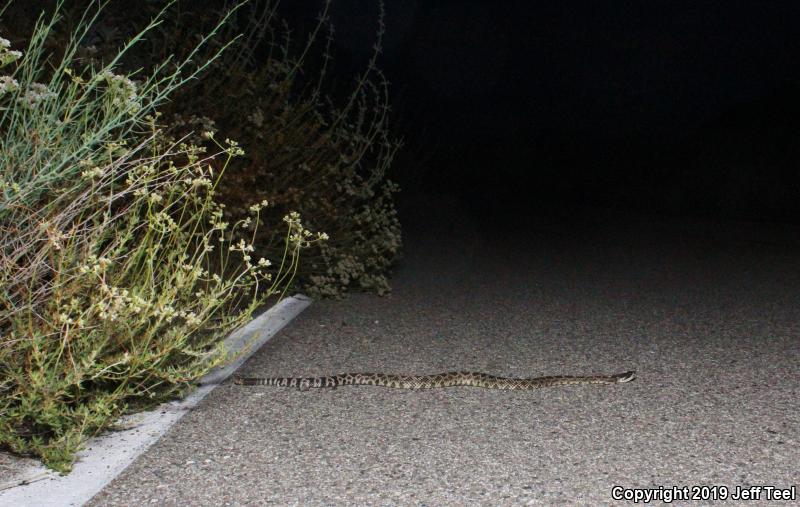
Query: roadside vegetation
[151,201]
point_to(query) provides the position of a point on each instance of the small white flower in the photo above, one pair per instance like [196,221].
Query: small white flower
[201,182]
[7,57]
[8,84]
[37,92]
[92,173]
[192,319]
[256,117]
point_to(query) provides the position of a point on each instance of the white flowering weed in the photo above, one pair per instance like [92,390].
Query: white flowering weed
[113,297]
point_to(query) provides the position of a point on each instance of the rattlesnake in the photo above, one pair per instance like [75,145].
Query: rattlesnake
[449,379]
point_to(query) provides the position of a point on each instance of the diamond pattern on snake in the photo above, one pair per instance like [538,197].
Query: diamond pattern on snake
[449,379]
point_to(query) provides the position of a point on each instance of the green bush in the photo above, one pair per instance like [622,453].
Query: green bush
[306,150]
[325,157]
[118,273]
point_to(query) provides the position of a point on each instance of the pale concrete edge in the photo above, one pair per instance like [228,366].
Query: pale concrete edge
[107,455]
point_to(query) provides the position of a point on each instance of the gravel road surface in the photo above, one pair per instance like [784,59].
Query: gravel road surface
[707,313]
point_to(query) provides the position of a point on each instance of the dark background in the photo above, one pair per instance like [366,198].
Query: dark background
[674,107]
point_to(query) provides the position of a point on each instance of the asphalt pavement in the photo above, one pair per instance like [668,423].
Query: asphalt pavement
[707,313]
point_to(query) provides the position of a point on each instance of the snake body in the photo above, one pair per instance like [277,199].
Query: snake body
[449,379]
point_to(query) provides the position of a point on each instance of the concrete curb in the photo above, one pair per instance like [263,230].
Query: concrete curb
[107,455]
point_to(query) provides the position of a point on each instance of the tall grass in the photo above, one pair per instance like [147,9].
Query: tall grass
[118,276]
